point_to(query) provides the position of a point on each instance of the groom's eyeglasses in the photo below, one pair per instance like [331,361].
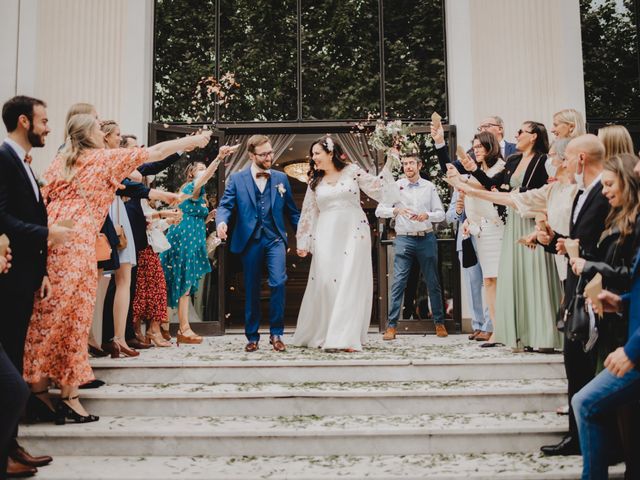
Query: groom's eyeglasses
[264,155]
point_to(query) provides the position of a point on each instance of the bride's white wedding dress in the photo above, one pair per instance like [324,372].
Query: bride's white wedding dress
[336,308]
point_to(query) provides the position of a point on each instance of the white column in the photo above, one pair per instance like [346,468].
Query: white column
[137,69]
[9,33]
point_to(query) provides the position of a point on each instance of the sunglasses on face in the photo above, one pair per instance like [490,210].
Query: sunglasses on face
[520,132]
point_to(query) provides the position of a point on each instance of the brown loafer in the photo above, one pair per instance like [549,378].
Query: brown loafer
[483,337]
[474,335]
[251,347]
[20,455]
[441,331]
[277,343]
[16,469]
[390,334]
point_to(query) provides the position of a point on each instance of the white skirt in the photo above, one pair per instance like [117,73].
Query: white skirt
[489,245]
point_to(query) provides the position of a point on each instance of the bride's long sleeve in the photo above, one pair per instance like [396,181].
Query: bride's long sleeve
[381,187]
[307,223]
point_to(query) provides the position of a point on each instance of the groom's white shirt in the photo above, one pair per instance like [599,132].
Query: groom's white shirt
[261,183]
[419,199]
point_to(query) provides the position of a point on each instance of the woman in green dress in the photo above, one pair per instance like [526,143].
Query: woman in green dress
[528,292]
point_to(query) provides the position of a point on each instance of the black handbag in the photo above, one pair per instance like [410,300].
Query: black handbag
[577,323]
[469,257]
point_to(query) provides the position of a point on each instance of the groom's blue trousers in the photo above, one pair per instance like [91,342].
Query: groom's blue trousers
[256,253]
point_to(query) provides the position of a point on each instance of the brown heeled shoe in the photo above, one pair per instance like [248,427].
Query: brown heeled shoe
[188,339]
[166,334]
[112,348]
[117,350]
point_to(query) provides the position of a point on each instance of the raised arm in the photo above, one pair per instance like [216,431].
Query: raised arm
[185,144]
[224,151]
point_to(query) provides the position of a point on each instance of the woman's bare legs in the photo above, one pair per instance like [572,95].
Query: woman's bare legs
[121,302]
[490,287]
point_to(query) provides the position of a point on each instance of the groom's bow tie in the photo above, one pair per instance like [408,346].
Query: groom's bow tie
[263,175]
[413,185]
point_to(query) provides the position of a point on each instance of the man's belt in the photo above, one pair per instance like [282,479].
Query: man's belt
[414,234]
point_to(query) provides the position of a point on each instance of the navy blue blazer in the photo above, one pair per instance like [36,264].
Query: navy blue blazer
[23,218]
[240,197]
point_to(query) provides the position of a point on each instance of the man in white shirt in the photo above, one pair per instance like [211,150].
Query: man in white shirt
[420,207]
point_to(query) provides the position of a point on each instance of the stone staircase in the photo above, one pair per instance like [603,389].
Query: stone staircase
[414,408]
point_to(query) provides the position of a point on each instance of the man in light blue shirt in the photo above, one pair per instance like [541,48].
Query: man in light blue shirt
[419,209]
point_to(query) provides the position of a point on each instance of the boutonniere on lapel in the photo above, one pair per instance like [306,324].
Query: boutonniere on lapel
[281,189]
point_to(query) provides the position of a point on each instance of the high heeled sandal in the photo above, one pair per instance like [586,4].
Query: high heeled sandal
[157,340]
[166,334]
[188,339]
[37,410]
[64,412]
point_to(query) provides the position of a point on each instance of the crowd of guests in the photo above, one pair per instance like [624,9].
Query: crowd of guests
[83,244]
[90,242]
[571,222]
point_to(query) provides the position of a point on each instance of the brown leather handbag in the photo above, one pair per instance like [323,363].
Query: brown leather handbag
[103,248]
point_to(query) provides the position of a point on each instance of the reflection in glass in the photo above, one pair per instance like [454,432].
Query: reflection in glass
[340,59]
[610,59]
[184,53]
[258,44]
[415,73]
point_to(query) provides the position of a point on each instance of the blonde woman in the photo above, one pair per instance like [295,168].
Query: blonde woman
[616,140]
[126,258]
[568,123]
[81,183]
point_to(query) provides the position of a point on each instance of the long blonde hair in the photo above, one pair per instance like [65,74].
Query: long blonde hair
[616,140]
[78,109]
[572,117]
[624,217]
[79,138]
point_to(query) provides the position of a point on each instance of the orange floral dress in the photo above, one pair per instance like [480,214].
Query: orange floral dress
[56,345]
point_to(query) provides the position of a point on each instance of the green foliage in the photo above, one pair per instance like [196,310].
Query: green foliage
[184,53]
[610,56]
[415,71]
[258,44]
[340,59]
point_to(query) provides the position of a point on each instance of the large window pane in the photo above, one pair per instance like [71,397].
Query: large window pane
[415,73]
[184,53]
[258,43]
[610,56]
[340,59]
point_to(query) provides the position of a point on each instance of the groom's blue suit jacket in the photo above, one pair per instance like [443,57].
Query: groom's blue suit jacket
[240,197]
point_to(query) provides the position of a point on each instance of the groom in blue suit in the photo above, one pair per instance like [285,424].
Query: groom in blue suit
[261,198]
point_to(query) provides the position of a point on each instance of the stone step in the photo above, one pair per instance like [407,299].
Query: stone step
[346,398]
[409,358]
[144,370]
[530,466]
[299,435]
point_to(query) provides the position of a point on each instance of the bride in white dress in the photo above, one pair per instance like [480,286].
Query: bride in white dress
[336,308]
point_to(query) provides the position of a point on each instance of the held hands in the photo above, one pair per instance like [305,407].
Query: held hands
[221,230]
[618,363]
[45,288]
[5,261]
[302,253]
[59,235]
[211,216]
[437,134]
[404,212]
[468,163]
[199,140]
[577,265]
[560,246]
[611,303]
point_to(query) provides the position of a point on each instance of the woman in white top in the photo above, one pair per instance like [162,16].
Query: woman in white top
[483,217]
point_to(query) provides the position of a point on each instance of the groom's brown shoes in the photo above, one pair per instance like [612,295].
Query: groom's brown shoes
[251,347]
[277,343]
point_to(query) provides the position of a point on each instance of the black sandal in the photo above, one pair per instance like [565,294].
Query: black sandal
[65,412]
[37,410]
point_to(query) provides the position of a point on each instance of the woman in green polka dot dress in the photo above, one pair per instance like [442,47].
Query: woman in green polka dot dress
[186,262]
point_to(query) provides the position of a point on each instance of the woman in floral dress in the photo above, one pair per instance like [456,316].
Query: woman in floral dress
[81,184]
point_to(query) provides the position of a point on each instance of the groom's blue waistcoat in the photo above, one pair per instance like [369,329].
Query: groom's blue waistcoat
[265,226]
[242,197]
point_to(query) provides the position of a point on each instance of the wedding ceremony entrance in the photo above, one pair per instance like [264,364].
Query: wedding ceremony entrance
[219,304]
